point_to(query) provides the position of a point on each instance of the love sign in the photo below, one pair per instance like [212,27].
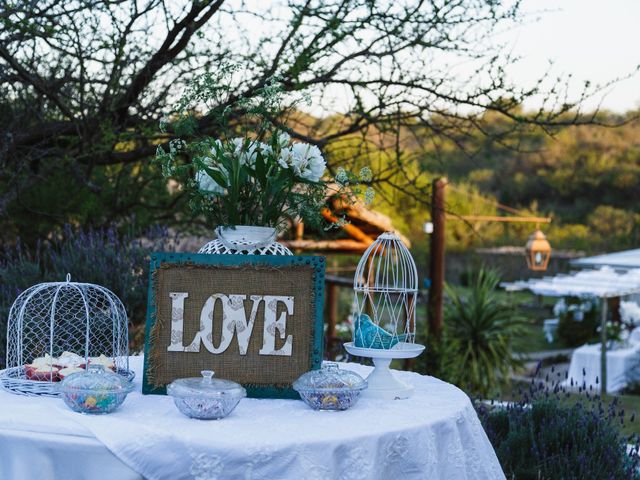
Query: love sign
[234,320]
[256,320]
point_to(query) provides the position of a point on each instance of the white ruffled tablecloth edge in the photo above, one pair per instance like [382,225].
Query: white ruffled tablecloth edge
[435,434]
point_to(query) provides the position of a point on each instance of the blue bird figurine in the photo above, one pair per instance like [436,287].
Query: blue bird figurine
[370,335]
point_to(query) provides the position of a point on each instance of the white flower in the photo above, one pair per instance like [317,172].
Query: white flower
[164,123]
[248,156]
[342,177]
[285,157]
[208,184]
[283,139]
[369,195]
[305,160]
[560,307]
[177,145]
[366,175]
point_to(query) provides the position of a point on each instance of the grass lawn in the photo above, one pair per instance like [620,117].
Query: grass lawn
[533,339]
[630,404]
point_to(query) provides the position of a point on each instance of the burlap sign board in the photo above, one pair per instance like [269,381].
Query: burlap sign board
[253,319]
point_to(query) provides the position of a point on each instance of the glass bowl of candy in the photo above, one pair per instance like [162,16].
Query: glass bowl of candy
[330,388]
[95,391]
[206,397]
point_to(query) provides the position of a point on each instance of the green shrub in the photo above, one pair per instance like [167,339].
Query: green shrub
[117,262]
[548,435]
[476,349]
[572,332]
[480,329]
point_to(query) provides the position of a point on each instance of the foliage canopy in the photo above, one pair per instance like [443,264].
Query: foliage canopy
[85,84]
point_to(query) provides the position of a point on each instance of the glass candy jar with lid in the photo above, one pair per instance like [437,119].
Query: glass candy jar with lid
[96,391]
[206,398]
[330,388]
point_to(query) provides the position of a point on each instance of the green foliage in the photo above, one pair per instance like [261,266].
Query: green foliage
[585,177]
[257,178]
[610,222]
[77,141]
[579,321]
[546,436]
[475,350]
[479,334]
[241,182]
[133,194]
[119,263]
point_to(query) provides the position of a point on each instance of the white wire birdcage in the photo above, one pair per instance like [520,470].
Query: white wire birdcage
[385,295]
[56,328]
[385,289]
[245,240]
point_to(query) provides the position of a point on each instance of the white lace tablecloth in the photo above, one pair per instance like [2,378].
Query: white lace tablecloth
[623,366]
[433,435]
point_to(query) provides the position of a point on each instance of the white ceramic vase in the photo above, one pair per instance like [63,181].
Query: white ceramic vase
[243,237]
[245,240]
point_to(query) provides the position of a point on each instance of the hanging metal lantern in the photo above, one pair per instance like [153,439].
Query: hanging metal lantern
[538,251]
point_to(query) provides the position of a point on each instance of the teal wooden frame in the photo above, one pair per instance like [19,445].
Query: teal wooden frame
[318,263]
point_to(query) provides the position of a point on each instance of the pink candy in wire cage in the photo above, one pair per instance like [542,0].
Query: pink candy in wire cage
[57,329]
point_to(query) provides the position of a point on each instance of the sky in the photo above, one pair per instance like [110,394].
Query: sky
[596,40]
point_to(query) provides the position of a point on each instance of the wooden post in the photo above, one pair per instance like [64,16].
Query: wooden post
[436,266]
[332,309]
[603,349]
[614,308]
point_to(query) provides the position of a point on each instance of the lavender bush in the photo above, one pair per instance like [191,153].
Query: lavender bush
[118,262]
[552,434]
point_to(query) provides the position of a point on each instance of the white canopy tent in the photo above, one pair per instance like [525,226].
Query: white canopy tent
[624,260]
[603,283]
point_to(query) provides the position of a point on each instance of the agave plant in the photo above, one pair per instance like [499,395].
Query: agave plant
[479,334]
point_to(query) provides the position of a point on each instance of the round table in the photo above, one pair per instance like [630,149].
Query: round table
[435,434]
[622,367]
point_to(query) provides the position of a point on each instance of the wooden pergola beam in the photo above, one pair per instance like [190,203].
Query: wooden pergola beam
[342,245]
[496,218]
[353,231]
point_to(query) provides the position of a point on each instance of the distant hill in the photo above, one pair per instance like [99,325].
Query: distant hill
[587,178]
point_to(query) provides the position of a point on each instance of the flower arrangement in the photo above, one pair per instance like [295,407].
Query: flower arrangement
[251,172]
[630,314]
[613,331]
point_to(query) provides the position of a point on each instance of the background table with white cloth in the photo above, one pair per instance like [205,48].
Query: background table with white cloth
[623,366]
[435,434]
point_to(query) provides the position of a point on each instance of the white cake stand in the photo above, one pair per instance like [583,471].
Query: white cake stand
[381,382]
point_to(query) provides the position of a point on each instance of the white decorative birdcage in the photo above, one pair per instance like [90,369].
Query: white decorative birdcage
[245,240]
[55,329]
[384,318]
